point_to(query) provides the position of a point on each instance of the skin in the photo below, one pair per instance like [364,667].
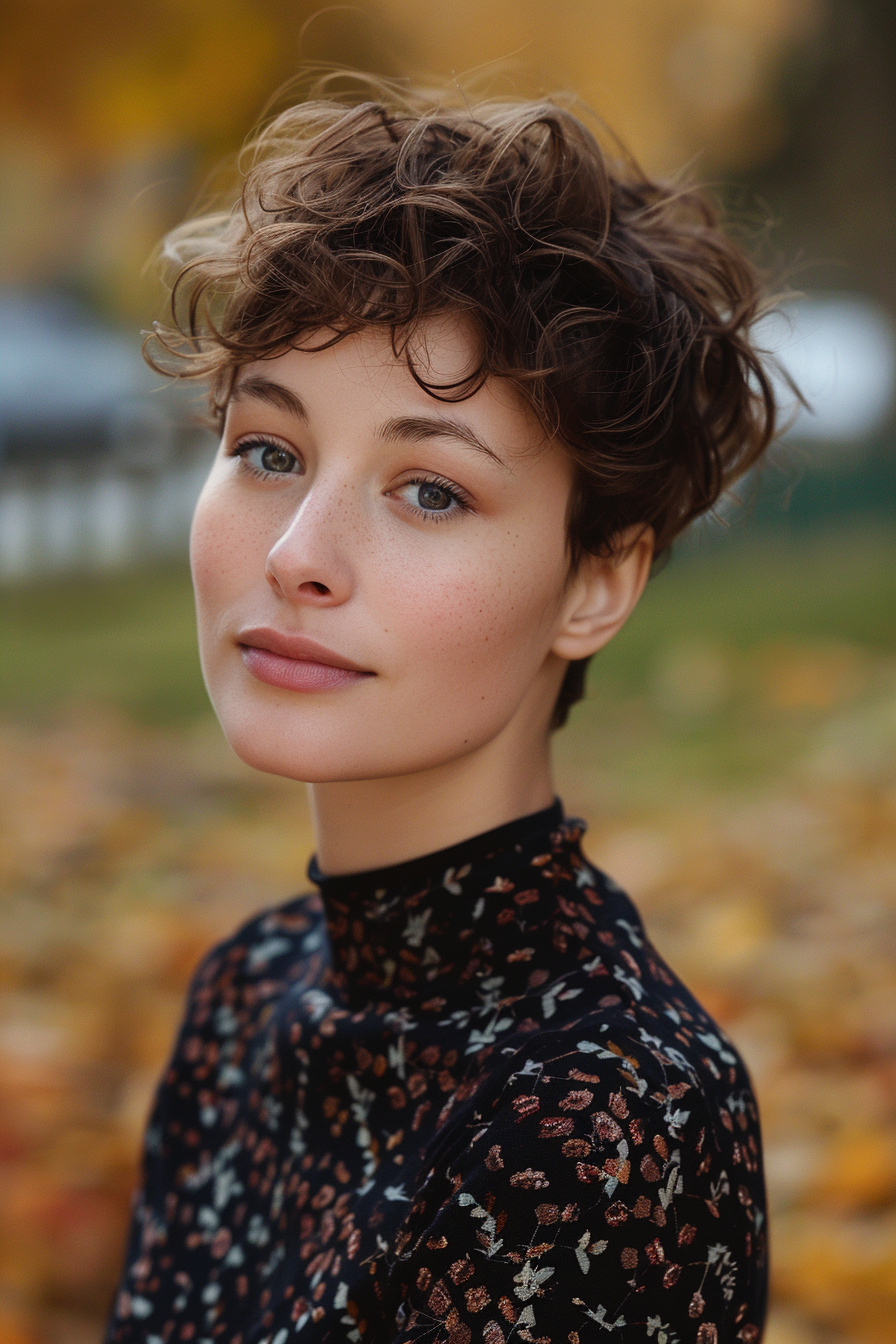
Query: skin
[463,616]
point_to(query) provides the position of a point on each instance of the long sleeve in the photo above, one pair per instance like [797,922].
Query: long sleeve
[183,1260]
[600,1193]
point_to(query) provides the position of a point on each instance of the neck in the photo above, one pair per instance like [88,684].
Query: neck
[374,823]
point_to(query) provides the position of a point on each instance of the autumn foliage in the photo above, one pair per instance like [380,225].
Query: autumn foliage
[746,796]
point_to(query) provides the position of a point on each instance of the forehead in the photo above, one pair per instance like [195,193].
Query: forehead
[371,378]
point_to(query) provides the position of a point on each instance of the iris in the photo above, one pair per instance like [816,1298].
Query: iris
[434,497]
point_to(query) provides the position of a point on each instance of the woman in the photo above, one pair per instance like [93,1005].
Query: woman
[472,378]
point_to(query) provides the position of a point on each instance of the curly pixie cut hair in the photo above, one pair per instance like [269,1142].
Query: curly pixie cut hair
[614,303]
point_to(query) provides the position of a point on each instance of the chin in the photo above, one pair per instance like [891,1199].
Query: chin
[311,749]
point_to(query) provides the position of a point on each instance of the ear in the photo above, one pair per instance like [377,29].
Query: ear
[602,594]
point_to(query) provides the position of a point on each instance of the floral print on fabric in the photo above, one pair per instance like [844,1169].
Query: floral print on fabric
[462,1099]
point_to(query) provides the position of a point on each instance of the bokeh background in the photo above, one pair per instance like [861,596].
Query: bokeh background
[736,759]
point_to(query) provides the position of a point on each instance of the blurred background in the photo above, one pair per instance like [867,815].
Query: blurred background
[736,759]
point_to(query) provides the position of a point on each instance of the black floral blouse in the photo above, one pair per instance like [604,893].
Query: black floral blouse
[460,1099]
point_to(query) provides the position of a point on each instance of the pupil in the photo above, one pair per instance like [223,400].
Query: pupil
[433,497]
[276,459]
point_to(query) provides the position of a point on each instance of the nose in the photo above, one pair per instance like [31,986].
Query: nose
[310,563]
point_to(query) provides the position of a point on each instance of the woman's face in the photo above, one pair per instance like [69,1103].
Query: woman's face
[379,575]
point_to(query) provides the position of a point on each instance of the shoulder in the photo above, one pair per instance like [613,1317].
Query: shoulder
[278,947]
[599,1105]
[599,1188]
[596,1117]
[623,1015]
[267,944]
[225,1006]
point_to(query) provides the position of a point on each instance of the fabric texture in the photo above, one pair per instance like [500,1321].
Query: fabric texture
[460,1099]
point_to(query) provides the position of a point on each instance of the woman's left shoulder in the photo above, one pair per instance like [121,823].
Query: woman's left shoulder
[604,1102]
[600,1187]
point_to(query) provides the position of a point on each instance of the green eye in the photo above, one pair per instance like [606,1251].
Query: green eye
[267,458]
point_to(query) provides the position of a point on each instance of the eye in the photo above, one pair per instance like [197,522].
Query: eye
[267,457]
[433,497]
[437,498]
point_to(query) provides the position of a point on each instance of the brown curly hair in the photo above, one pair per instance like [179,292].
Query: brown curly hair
[614,303]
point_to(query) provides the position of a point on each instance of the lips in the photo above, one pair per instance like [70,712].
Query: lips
[296,662]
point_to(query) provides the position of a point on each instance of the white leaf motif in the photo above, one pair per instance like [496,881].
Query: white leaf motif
[530,1280]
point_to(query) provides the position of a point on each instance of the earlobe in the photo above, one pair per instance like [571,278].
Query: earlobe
[602,595]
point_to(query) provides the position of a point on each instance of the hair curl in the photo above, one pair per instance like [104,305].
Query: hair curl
[615,303]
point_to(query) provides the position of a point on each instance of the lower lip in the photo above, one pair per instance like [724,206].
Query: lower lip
[292,674]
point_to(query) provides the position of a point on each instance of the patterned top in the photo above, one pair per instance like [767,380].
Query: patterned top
[458,1099]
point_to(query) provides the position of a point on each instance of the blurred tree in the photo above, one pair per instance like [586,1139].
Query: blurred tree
[113,115]
[675,78]
[832,181]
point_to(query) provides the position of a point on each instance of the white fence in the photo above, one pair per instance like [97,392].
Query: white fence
[72,519]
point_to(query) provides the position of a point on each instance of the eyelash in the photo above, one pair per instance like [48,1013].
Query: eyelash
[245,446]
[459,496]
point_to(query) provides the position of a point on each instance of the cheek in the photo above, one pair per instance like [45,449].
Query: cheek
[222,550]
[490,613]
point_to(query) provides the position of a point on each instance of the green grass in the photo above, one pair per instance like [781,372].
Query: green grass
[742,591]
[746,599]
[128,639]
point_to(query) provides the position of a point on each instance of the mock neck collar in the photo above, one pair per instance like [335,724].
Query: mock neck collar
[428,870]
[419,930]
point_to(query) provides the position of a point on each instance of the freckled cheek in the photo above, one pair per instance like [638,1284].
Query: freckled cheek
[227,553]
[479,616]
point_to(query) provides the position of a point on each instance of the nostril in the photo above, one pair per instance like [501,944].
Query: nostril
[312,586]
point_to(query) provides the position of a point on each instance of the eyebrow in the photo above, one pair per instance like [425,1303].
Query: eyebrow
[415,427]
[408,428]
[275,394]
